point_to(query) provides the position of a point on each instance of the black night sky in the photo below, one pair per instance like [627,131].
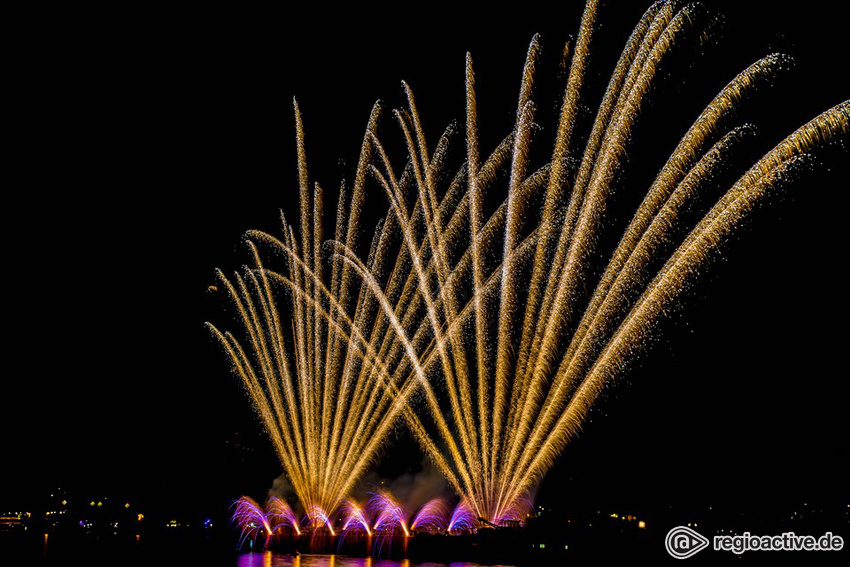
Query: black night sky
[145,144]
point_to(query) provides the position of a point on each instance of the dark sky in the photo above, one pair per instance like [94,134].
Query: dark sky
[145,144]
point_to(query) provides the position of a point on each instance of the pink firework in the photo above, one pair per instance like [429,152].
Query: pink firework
[431,517]
[517,512]
[251,519]
[318,517]
[389,514]
[353,518]
[281,516]
[462,519]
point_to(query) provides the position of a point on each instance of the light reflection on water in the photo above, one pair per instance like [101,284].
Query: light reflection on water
[270,559]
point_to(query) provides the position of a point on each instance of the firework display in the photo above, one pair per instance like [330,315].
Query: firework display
[488,331]
[380,520]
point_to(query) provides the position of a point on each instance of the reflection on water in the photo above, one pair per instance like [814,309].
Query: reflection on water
[17,550]
[270,559]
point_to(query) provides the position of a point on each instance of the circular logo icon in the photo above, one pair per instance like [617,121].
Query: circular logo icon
[683,542]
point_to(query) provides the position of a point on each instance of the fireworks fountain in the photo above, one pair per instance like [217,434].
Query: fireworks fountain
[388,513]
[462,519]
[489,336]
[252,520]
[382,517]
[431,517]
[256,521]
[281,516]
[354,518]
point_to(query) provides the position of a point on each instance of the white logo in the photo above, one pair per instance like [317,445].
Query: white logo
[682,542]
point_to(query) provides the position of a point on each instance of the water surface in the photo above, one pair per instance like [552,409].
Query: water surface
[270,559]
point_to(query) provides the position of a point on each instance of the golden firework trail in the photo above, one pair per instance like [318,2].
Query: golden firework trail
[505,327]
[324,395]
